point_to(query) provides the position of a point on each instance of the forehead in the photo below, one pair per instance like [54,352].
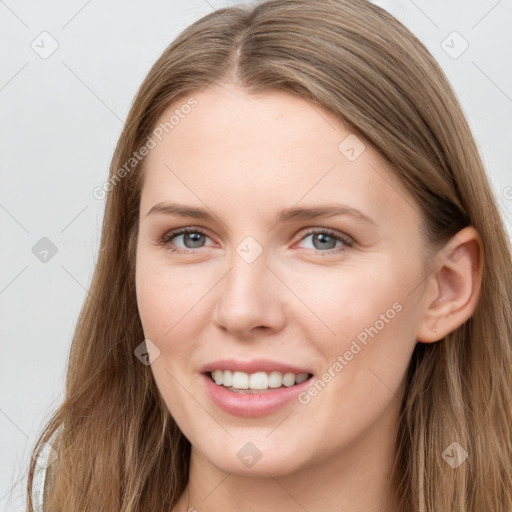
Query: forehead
[251,126]
[268,150]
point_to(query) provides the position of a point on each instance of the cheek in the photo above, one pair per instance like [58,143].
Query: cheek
[347,300]
[175,310]
[170,310]
[365,361]
[366,317]
[167,298]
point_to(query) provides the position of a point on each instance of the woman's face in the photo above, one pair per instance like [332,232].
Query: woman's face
[303,257]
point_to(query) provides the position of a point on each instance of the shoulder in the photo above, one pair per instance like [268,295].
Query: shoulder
[46,457]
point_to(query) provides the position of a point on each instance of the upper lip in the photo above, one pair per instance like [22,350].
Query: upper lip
[252,366]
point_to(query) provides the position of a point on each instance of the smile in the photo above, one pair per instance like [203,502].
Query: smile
[243,382]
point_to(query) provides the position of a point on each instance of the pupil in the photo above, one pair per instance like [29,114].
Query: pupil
[323,238]
[196,238]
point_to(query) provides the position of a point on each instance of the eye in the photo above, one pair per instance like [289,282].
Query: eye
[325,241]
[192,238]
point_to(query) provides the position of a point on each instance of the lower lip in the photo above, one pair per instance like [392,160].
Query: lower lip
[252,404]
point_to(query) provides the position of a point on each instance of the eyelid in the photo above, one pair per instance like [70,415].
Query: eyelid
[169,235]
[332,232]
[347,241]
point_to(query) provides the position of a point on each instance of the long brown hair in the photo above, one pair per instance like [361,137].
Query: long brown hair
[118,447]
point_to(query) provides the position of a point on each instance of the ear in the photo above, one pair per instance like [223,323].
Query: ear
[453,286]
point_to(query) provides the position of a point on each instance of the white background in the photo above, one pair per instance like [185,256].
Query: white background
[60,119]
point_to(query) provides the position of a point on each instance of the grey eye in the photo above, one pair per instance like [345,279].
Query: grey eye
[192,240]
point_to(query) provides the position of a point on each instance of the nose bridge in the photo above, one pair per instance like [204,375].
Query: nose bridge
[246,281]
[246,298]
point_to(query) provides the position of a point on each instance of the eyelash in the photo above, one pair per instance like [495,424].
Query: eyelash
[347,241]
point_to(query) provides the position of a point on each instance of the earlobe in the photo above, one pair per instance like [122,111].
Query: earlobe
[456,282]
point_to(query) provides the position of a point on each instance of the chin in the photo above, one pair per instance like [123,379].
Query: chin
[256,456]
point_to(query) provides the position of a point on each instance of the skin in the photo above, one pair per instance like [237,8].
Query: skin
[245,158]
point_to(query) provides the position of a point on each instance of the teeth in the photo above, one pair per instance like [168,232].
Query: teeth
[217,376]
[301,378]
[240,380]
[227,378]
[275,380]
[258,380]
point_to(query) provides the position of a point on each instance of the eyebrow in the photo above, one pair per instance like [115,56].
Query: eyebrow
[287,214]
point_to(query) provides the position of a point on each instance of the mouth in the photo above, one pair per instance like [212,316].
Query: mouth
[258,382]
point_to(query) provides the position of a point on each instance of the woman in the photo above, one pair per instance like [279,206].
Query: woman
[302,295]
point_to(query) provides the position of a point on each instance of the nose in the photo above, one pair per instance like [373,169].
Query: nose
[250,299]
